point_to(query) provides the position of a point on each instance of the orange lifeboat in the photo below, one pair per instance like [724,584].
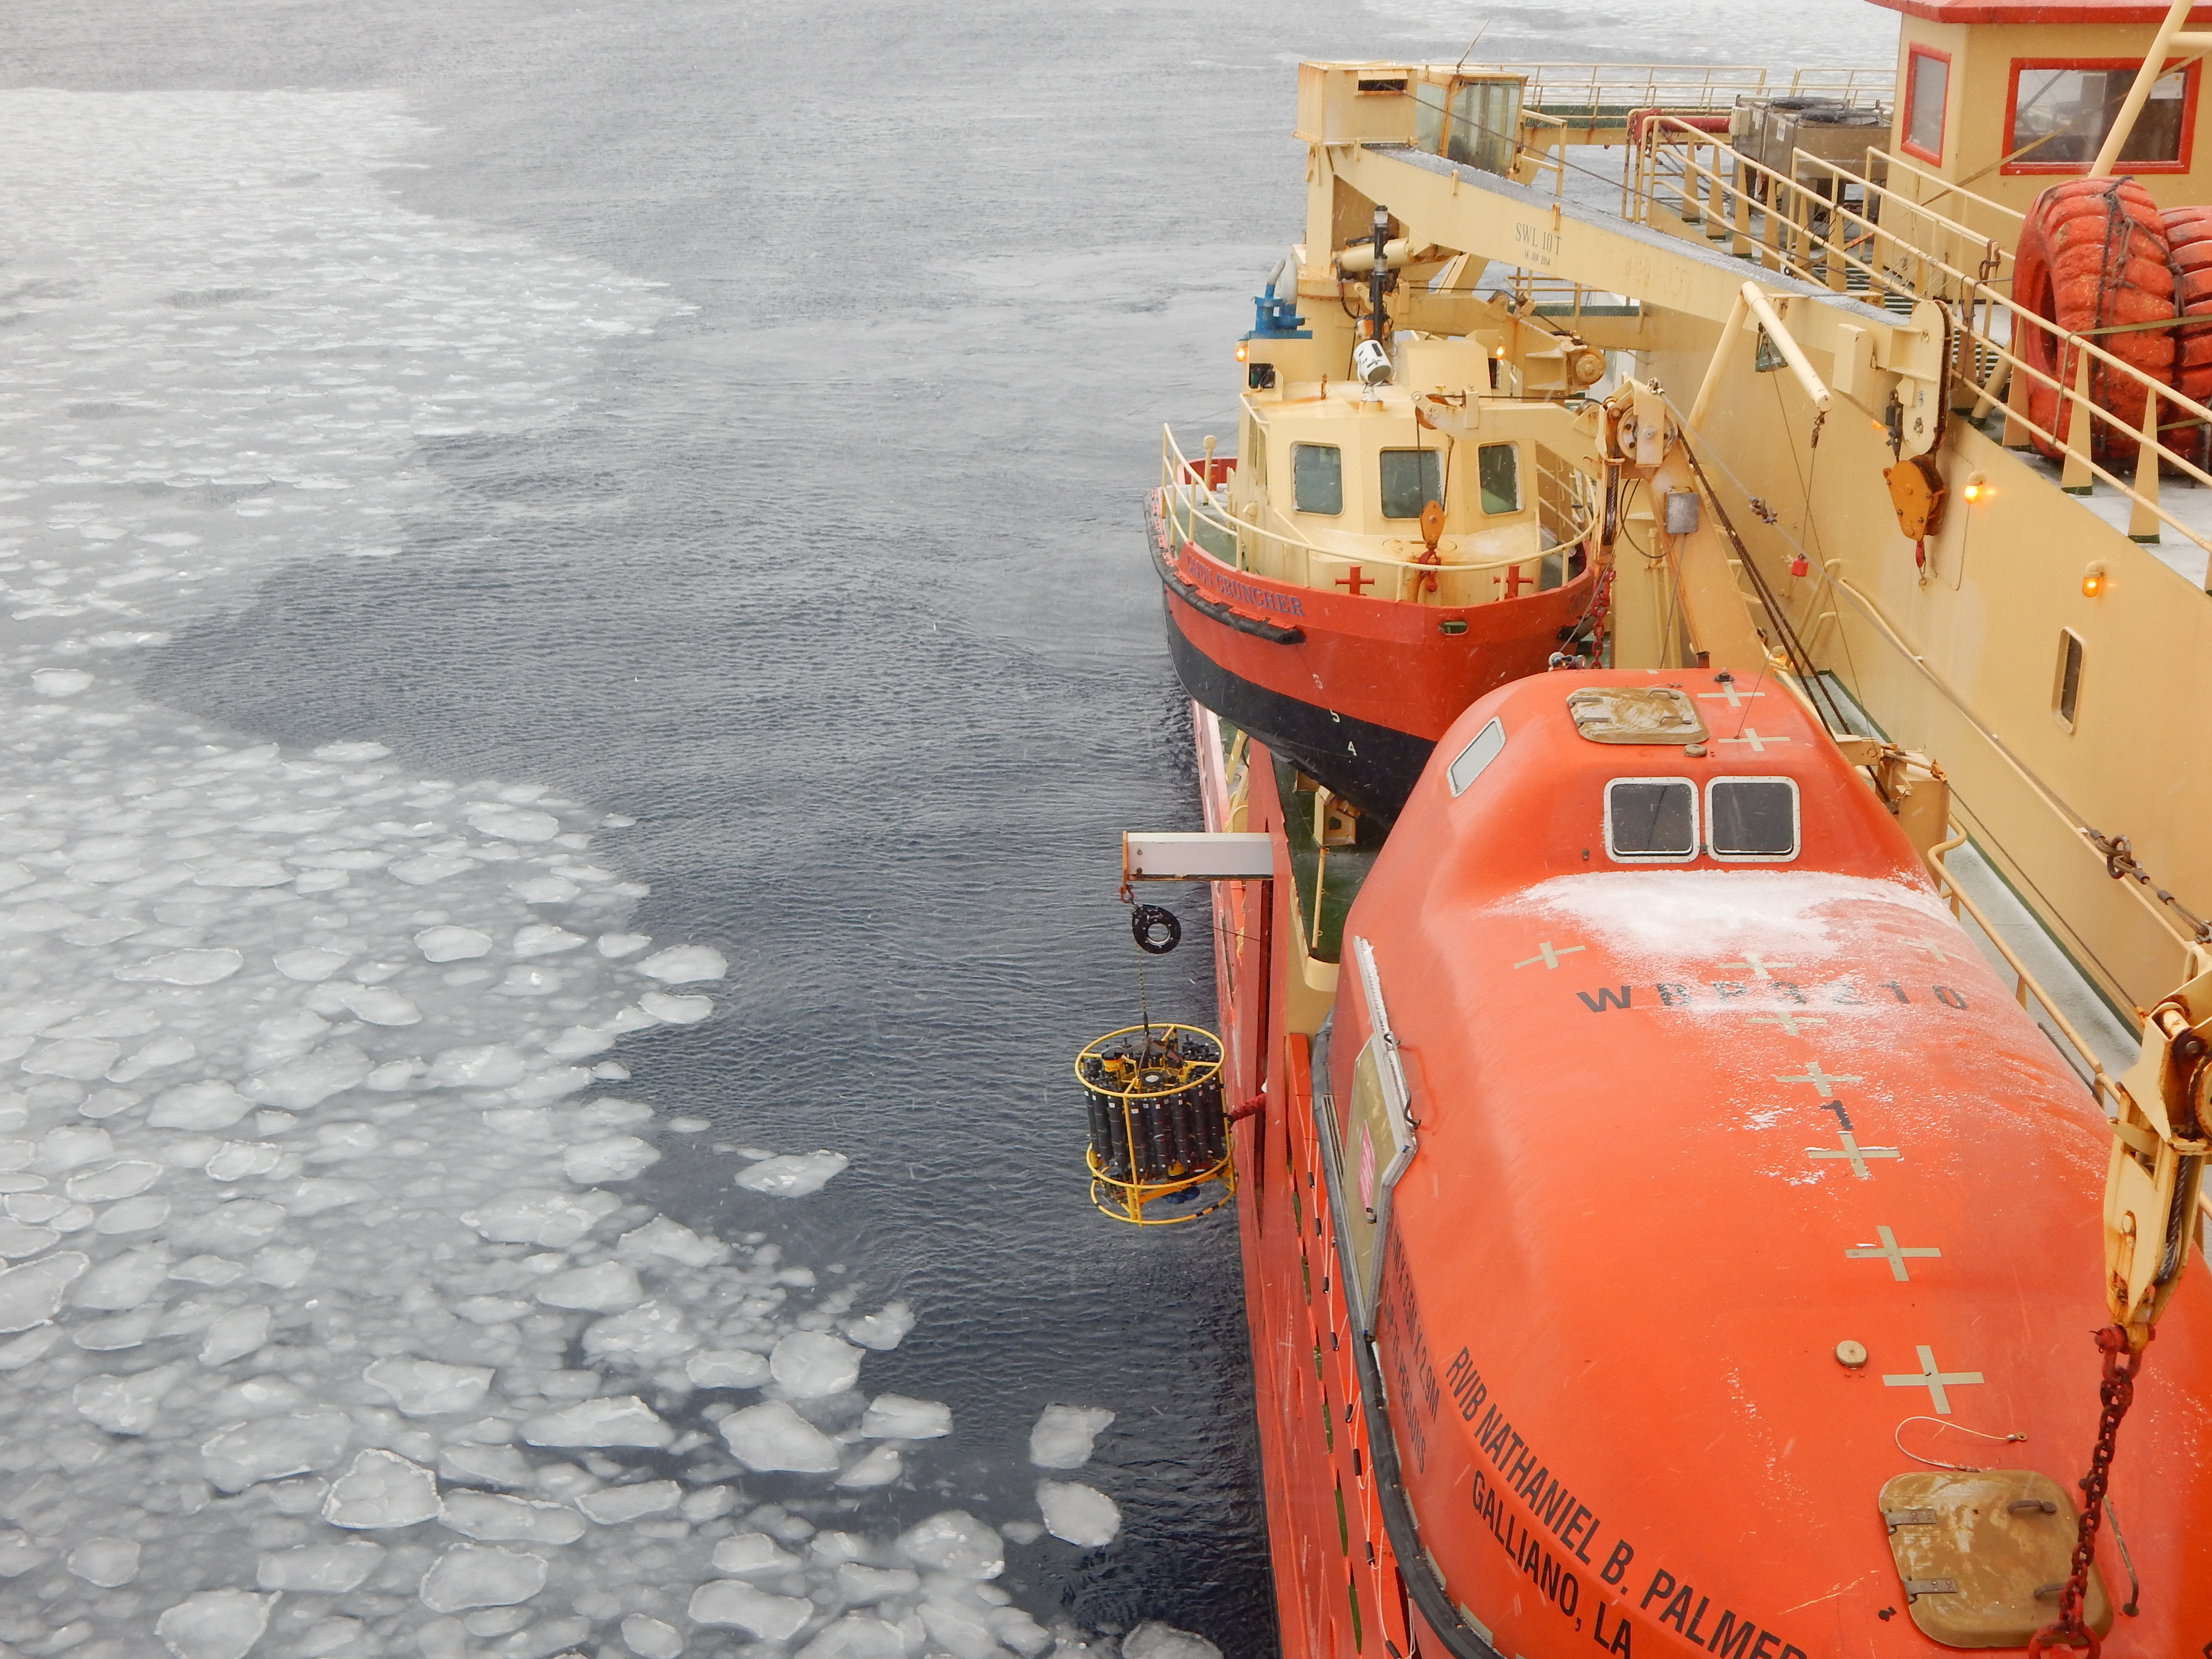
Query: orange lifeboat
[1678,1242]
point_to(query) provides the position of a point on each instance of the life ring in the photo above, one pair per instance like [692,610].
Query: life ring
[2094,255]
[2188,244]
[1156,931]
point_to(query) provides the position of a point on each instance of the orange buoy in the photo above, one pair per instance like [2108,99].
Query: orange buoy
[2092,257]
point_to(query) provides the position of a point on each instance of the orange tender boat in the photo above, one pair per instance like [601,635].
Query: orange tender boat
[1671,1219]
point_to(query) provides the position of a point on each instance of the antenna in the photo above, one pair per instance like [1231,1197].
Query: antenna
[1471,46]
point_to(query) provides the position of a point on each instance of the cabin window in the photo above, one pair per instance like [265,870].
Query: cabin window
[1752,818]
[1497,474]
[1318,477]
[2060,110]
[1488,744]
[2066,695]
[1927,87]
[1412,478]
[1651,819]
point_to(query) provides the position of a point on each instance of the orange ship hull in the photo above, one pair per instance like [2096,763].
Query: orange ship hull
[1354,691]
[1685,1132]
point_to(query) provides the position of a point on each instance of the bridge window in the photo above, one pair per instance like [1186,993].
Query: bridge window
[2060,110]
[1498,472]
[1752,818]
[1651,820]
[1412,478]
[1318,477]
[1927,87]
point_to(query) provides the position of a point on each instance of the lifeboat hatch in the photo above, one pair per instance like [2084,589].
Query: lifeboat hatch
[1635,713]
[1982,1554]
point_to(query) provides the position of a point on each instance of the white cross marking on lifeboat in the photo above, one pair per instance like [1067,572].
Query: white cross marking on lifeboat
[1736,699]
[1855,1154]
[1934,1381]
[1818,1078]
[1751,736]
[1758,968]
[1892,1252]
[1548,956]
[1931,947]
[1789,1021]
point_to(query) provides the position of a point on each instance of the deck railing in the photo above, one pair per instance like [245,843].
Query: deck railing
[1827,224]
[1193,509]
[1589,90]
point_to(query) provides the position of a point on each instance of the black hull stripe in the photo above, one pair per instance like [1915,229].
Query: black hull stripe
[1373,767]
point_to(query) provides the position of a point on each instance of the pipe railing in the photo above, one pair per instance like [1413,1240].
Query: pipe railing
[1191,511]
[1800,231]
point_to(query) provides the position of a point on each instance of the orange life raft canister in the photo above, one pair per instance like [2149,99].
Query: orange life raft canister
[2092,257]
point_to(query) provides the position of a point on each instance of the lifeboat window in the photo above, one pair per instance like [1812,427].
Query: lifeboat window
[1318,477]
[1488,744]
[1497,471]
[1752,818]
[1412,478]
[2061,114]
[1651,818]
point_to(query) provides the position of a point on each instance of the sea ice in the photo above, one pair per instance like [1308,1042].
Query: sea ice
[728,1368]
[472,1576]
[514,823]
[884,1329]
[645,1335]
[122,1282]
[956,1543]
[877,1468]
[450,944]
[609,1287]
[613,1506]
[1079,1514]
[772,1435]
[676,1010]
[382,1489]
[543,939]
[793,1174]
[614,1157]
[747,1553]
[109,1563]
[771,1617]
[1154,1640]
[235,1334]
[311,965]
[1065,1435]
[429,1387]
[807,1364]
[294,1443]
[508,1520]
[220,1624]
[894,1417]
[856,1636]
[861,1585]
[649,1638]
[324,1568]
[685,964]
[126,1405]
[555,1220]
[621,1421]
[184,968]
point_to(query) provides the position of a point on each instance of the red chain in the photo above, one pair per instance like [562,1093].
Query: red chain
[2070,1631]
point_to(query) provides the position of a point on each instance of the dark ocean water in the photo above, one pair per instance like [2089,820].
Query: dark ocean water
[835,582]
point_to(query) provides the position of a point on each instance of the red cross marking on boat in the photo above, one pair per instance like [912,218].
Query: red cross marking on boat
[1357,583]
[1515,581]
